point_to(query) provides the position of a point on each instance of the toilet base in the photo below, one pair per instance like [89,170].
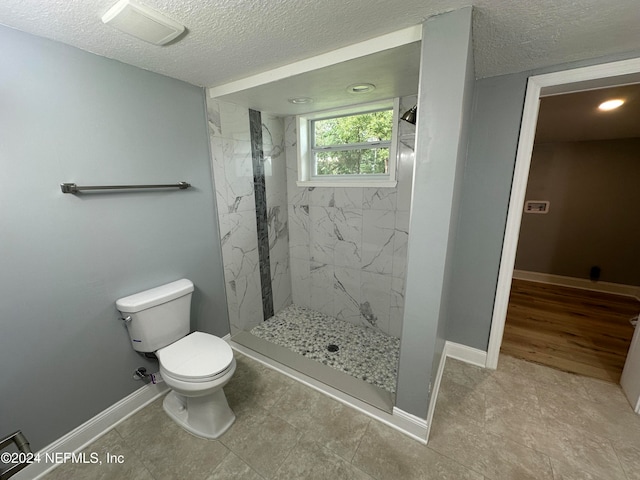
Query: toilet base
[206,417]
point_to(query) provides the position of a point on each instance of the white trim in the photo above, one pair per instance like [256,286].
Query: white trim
[539,85]
[347,183]
[630,380]
[94,428]
[512,231]
[466,354]
[306,154]
[433,398]
[552,82]
[458,352]
[368,47]
[406,423]
[90,431]
[415,427]
[581,283]
[354,109]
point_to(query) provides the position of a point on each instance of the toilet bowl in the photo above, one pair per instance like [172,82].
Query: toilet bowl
[195,366]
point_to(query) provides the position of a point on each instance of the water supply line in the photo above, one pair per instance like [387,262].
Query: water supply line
[140,373]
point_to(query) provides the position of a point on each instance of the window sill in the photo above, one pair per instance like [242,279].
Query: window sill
[347,183]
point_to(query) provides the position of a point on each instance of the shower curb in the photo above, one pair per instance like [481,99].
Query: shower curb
[404,422]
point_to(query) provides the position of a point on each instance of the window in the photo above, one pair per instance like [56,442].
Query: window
[352,144]
[349,147]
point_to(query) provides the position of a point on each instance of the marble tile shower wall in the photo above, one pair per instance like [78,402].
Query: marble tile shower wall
[348,246]
[275,171]
[233,176]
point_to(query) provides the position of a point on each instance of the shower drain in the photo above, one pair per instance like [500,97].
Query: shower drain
[333,348]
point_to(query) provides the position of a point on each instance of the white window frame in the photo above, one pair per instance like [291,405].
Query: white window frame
[306,156]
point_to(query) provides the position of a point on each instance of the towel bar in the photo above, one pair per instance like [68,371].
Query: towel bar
[73,188]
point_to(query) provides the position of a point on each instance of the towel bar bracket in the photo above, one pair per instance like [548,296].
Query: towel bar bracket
[22,444]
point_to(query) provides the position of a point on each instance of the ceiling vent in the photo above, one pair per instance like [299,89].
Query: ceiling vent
[142,22]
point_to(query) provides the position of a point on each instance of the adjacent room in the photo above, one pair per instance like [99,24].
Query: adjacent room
[574,297]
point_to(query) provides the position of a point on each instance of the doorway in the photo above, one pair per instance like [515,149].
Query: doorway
[581,79]
[577,252]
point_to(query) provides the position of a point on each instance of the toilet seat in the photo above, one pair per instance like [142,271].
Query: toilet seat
[198,357]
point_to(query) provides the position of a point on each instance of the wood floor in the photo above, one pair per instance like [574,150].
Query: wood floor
[574,330]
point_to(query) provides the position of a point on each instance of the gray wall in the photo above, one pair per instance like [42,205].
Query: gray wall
[594,215]
[444,106]
[497,112]
[70,116]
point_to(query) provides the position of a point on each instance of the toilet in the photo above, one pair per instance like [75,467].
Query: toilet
[194,365]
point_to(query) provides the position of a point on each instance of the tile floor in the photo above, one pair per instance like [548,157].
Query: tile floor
[522,421]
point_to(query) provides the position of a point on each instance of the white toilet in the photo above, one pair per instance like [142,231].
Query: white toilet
[194,365]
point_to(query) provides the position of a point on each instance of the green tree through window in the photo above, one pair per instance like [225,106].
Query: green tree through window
[354,144]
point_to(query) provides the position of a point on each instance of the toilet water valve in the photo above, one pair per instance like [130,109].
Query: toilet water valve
[140,373]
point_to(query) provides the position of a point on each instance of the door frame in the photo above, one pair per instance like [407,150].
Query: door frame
[538,86]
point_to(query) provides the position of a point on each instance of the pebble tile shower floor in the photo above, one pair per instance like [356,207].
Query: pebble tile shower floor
[363,353]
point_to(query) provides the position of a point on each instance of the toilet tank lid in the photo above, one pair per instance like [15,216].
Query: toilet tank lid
[155,296]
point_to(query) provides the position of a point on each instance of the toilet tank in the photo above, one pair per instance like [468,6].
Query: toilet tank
[159,316]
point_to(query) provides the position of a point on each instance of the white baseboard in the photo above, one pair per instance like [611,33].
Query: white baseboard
[411,425]
[459,352]
[581,283]
[91,430]
[406,423]
[433,396]
[466,354]
[87,433]
[415,427]
[96,427]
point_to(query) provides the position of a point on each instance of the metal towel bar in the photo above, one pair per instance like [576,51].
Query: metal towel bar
[73,188]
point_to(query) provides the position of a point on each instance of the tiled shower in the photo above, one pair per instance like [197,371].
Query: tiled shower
[233,175]
[334,250]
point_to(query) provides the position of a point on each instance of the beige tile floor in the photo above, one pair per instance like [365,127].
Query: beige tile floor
[523,421]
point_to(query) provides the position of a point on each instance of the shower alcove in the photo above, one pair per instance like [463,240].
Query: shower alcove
[314,275]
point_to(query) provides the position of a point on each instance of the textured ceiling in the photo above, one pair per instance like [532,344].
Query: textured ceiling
[231,39]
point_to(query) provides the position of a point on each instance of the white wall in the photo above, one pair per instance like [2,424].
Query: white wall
[348,245]
[230,139]
[275,171]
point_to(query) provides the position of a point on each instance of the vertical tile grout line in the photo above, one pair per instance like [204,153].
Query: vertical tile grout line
[355,452]
[260,196]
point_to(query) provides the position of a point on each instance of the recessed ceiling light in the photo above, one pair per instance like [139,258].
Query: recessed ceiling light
[611,104]
[300,100]
[361,88]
